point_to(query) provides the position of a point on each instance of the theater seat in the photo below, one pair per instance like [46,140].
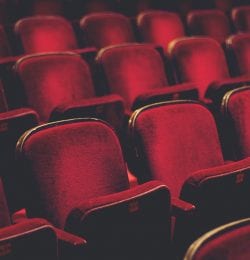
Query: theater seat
[59,85]
[136,72]
[177,142]
[159,27]
[107,28]
[212,23]
[201,60]
[241,18]
[74,175]
[230,241]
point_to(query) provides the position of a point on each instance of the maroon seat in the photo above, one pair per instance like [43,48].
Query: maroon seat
[160,27]
[239,53]
[59,85]
[136,72]
[107,28]
[177,143]
[74,175]
[211,23]
[230,241]
[201,60]
[241,18]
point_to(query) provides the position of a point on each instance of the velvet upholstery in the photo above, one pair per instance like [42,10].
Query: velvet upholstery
[239,52]
[241,18]
[133,224]
[200,60]
[4,45]
[49,80]
[230,241]
[211,23]
[104,29]
[67,162]
[160,27]
[45,33]
[236,111]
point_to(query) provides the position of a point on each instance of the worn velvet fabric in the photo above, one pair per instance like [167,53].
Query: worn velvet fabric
[45,33]
[69,162]
[50,80]
[160,27]
[132,70]
[104,29]
[199,60]
[174,140]
[211,23]
[241,18]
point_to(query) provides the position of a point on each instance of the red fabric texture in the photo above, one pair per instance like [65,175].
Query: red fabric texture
[238,109]
[174,140]
[199,60]
[160,27]
[231,243]
[46,7]
[211,23]
[69,162]
[132,69]
[45,33]
[241,18]
[49,80]
[104,29]
[239,44]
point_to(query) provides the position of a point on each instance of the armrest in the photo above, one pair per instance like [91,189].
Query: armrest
[181,208]
[218,89]
[180,91]
[110,108]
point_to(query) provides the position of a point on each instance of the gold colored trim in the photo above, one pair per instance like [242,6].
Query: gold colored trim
[212,234]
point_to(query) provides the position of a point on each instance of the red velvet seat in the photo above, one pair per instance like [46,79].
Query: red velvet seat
[211,23]
[160,27]
[238,47]
[241,18]
[230,241]
[74,175]
[236,132]
[107,28]
[136,72]
[59,85]
[177,143]
[201,60]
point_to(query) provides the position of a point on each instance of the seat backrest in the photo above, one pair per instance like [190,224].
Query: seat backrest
[132,69]
[52,79]
[199,60]
[230,241]
[67,162]
[160,27]
[45,33]
[211,23]
[104,29]
[172,140]
[241,18]
[238,47]
[236,109]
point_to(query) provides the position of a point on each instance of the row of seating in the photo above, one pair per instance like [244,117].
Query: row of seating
[11,10]
[103,29]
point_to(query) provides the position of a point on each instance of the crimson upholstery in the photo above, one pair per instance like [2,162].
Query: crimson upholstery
[133,70]
[4,45]
[45,33]
[57,83]
[224,5]
[211,23]
[160,27]
[107,28]
[236,111]
[239,53]
[241,18]
[230,241]
[177,143]
[68,165]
